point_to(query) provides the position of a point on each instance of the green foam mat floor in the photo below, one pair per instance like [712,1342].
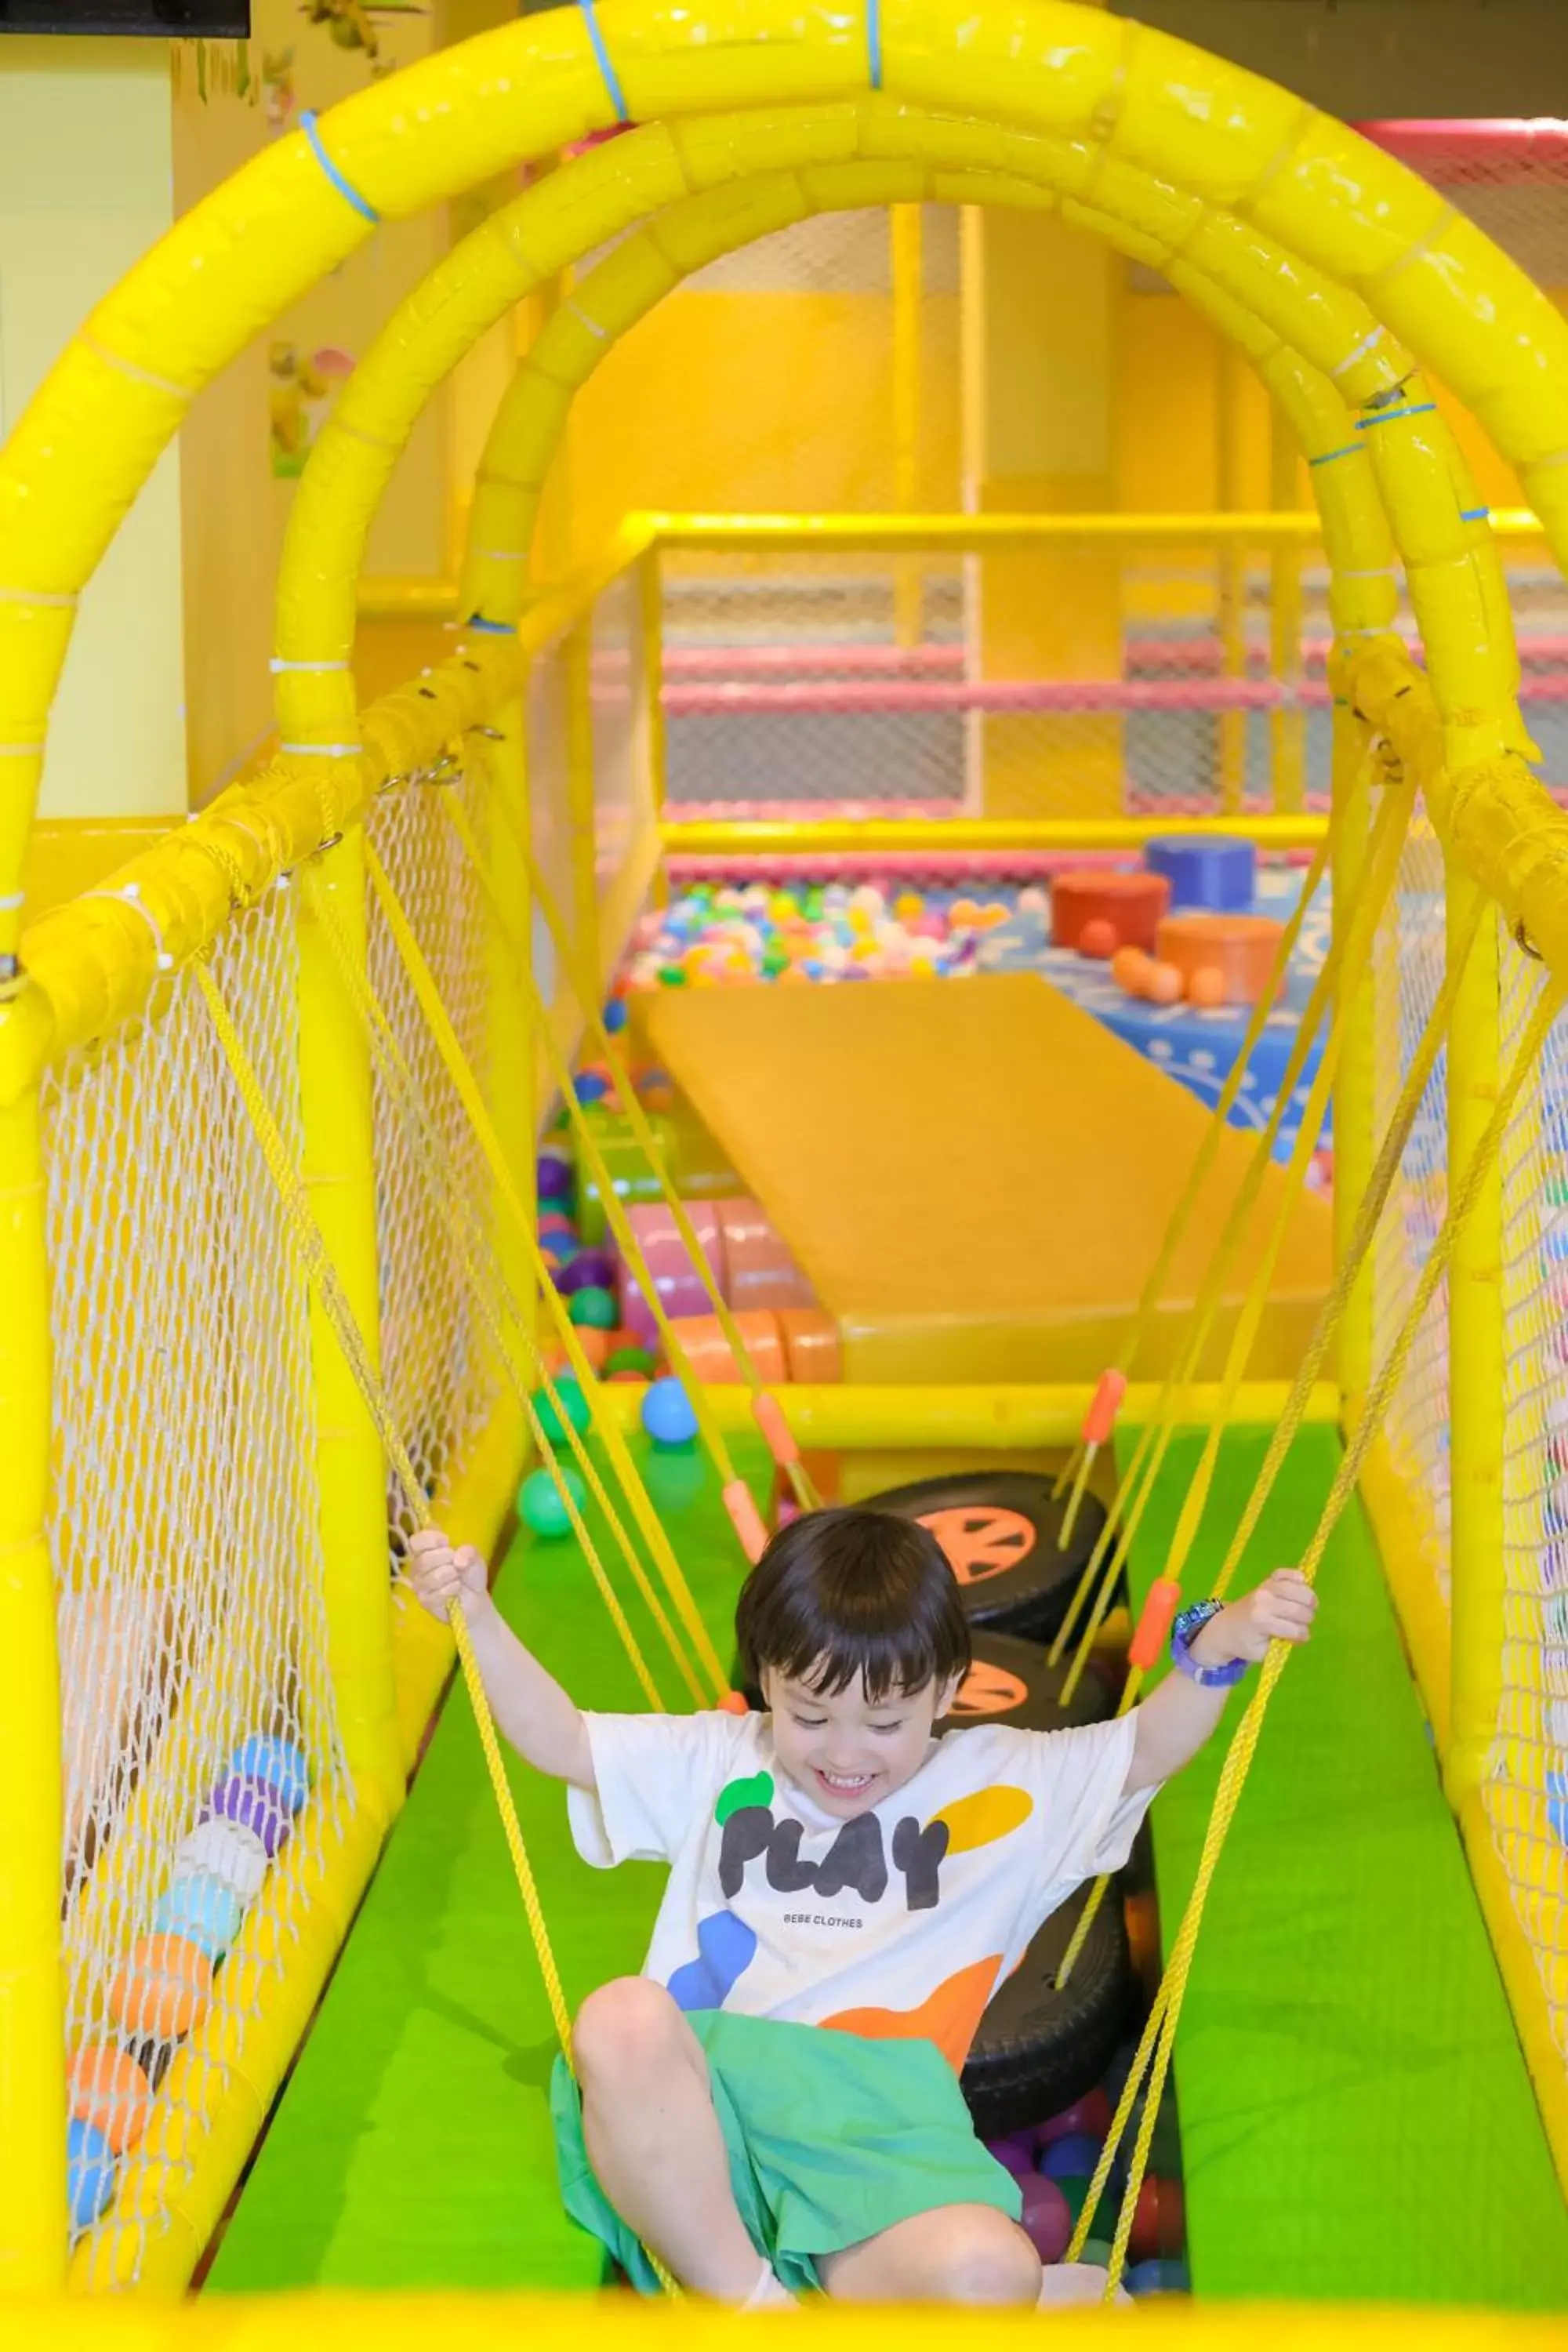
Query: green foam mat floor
[411,2147]
[1357,2123]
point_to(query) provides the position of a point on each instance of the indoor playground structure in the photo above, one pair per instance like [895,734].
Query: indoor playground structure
[1048,1013]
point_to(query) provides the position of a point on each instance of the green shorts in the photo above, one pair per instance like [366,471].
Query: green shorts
[831,2139]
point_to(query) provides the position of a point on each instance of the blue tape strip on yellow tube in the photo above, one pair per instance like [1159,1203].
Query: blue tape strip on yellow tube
[349,192]
[602,54]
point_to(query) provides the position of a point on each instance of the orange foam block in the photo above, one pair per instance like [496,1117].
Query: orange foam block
[1119,910]
[1240,949]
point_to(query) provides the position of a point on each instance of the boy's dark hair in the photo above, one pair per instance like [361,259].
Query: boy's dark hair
[845,1596]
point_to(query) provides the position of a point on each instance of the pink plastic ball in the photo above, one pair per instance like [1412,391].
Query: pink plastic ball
[1046,2217]
[1090,2115]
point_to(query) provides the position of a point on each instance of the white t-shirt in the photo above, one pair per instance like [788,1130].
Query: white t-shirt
[901,1922]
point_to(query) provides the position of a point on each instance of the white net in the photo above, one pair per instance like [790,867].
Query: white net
[441,1378]
[1408,966]
[199,1734]
[1526,1785]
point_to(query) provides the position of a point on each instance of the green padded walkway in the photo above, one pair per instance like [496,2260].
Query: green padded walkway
[1356,2119]
[411,2147]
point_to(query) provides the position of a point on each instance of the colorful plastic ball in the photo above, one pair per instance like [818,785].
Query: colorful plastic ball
[667,1413]
[586,1269]
[202,1909]
[541,1505]
[1163,984]
[1205,987]
[278,1762]
[225,1851]
[640,1361]
[1046,2219]
[556,1222]
[1128,968]
[1159,2220]
[556,1177]
[160,1991]
[671,975]
[595,1344]
[1015,2151]
[1098,940]
[1090,2115]
[594,1308]
[574,1407]
[251,1802]
[590,1087]
[109,2091]
[89,2172]
[616,1015]
[1557,1806]
[1158,2278]
[1072,2157]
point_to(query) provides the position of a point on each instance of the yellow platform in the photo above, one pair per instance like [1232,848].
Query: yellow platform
[975,1174]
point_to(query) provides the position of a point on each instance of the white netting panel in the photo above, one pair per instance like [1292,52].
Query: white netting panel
[185,1533]
[1408,966]
[1526,1786]
[441,1378]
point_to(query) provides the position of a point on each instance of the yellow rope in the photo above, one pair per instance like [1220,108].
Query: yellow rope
[581,984]
[322,1277]
[1357,1249]
[1159,2035]
[606,1425]
[446,1187]
[1349,948]
[1077,1465]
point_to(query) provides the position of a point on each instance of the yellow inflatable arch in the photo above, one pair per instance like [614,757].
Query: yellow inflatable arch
[1338,272]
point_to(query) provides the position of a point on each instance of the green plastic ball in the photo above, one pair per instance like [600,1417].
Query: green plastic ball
[541,1505]
[631,1359]
[573,1406]
[593,1308]
[773,963]
[671,975]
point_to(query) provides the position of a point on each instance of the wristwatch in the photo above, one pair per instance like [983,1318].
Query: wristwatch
[1189,1624]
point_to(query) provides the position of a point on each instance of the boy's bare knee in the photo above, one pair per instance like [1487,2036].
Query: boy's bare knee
[625,2028]
[983,2258]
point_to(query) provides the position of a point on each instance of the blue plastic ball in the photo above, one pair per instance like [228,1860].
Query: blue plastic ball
[590,1087]
[1073,2158]
[278,1762]
[667,1413]
[202,1909]
[1164,2277]
[616,1015]
[541,1505]
[1557,1805]
[89,2172]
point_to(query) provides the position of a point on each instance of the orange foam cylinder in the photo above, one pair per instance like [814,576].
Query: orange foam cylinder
[1154,1624]
[1130,904]
[1240,949]
[811,1343]
[708,1351]
[746,1519]
[1105,1404]
[768,1414]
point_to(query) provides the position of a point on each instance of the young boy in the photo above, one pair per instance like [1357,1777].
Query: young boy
[832,1864]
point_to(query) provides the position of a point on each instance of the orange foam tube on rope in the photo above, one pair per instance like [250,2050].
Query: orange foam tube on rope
[1104,1405]
[1154,1624]
[746,1519]
[768,1414]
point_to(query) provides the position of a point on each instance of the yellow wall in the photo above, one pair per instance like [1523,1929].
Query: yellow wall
[86,176]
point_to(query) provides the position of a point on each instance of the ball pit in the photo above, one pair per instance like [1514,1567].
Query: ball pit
[714,935]
[593,1308]
[541,1505]
[1046,2219]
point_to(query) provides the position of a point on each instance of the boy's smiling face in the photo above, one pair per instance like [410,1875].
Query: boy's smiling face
[848,1750]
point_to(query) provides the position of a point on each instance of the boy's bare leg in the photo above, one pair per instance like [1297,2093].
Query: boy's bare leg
[957,2253]
[654,2140]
